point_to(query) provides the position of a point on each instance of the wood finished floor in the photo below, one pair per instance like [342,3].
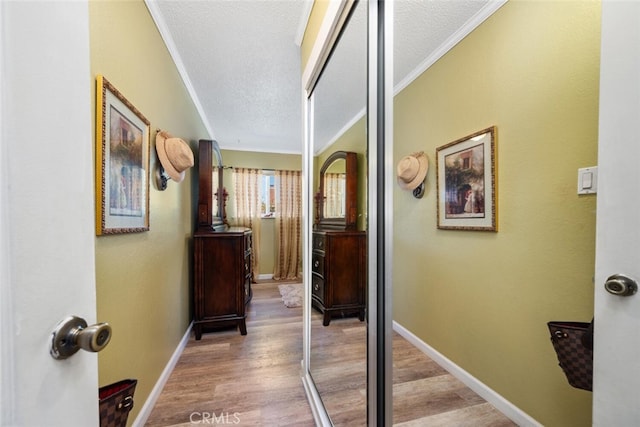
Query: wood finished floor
[254,380]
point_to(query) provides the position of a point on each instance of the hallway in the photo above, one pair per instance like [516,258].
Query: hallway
[254,380]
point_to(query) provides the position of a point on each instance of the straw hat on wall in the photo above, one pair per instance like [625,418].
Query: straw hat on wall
[174,154]
[412,170]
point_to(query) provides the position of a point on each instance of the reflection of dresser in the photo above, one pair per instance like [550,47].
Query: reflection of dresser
[222,278]
[339,268]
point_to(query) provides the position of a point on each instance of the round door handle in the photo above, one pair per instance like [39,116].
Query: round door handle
[621,285]
[73,334]
[94,338]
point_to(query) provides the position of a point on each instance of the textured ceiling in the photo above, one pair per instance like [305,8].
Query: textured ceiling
[241,61]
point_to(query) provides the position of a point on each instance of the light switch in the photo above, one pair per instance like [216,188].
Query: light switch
[588,180]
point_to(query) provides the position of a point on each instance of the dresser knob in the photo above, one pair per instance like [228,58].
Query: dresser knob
[316,287]
[316,263]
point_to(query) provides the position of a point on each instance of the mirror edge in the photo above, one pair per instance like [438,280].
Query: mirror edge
[380,212]
[334,19]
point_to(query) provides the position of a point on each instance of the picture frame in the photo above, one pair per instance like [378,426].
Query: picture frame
[122,163]
[466,182]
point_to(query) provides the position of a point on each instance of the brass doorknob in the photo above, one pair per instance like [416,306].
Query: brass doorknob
[621,285]
[73,334]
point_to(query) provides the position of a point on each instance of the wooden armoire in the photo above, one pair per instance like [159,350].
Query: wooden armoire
[221,254]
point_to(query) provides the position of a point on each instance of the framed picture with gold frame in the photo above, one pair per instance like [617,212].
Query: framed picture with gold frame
[122,163]
[466,182]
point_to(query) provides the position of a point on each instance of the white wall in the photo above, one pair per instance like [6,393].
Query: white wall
[46,219]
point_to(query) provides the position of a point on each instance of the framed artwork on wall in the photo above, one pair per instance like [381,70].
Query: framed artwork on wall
[122,163]
[466,182]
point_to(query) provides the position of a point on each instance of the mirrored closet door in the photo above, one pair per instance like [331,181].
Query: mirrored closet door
[341,300]
[338,358]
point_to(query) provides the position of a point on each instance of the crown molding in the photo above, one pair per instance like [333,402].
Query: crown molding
[482,15]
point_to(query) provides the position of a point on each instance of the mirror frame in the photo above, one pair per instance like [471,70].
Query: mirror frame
[209,149]
[381,179]
[349,221]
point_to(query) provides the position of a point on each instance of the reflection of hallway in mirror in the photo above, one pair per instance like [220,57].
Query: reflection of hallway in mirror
[339,368]
[256,377]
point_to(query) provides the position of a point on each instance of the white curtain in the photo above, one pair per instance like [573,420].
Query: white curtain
[334,188]
[214,189]
[288,262]
[247,204]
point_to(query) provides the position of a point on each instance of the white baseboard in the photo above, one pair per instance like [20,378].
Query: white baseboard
[144,413]
[500,403]
[318,410]
[265,276]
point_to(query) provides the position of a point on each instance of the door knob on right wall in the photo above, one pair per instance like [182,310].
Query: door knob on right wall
[73,334]
[621,285]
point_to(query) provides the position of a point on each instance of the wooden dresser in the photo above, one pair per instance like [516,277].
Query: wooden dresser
[222,278]
[338,281]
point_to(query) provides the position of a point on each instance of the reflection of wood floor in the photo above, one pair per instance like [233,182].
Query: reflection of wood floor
[254,380]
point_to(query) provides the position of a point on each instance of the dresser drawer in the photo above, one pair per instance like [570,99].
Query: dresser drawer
[317,286]
[317,263]
[318,241]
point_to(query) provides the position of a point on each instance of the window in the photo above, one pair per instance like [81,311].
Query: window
[268,194]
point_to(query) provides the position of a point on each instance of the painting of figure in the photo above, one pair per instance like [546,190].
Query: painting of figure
[466,182]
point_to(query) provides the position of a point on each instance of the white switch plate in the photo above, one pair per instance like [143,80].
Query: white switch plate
[588,180]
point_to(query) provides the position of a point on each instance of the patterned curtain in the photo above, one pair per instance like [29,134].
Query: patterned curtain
[247,204]
[334,189]
[288,263]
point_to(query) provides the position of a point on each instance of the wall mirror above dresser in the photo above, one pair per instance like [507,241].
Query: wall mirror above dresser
[211,190]
[337,197]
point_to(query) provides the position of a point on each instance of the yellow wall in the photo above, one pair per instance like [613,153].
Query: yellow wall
[142,279]
[483,298]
